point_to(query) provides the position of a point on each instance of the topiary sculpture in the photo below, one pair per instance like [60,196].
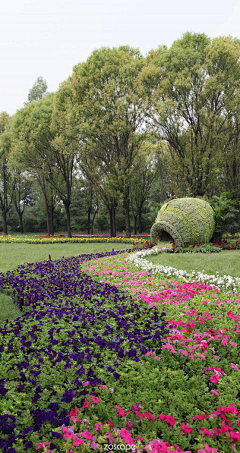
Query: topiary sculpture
[184,221]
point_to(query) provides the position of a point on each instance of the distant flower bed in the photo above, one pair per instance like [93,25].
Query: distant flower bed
[225,244]
[76,239]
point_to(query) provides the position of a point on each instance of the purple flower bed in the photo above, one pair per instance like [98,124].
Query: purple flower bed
[73,330]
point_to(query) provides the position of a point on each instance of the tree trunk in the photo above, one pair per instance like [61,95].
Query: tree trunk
[20,215]
[94,215]
[126,206]
[4,217]
[89,220]
[67,208]
[112,216]
[140,220]
[135,224]
[48,220]
[51,227]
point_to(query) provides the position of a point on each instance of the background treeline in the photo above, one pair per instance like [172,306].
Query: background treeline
[123,134]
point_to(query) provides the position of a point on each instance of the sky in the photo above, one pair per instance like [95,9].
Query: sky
[48,38]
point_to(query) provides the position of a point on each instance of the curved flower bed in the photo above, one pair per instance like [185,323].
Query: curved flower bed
[94,362]
[74,330]
[137,258]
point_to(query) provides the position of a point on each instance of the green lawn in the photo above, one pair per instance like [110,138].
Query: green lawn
[226,262]
[12,254]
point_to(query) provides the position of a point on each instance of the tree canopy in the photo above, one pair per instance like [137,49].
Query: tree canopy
[129,131]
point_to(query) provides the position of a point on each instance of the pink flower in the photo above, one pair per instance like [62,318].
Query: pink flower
[68,432]
[74,412]
[206,432]
[77,442]
[140,438]
[186,429]
[87,434]
[208,449]
[103,387]
[42,445]
[235,436]
[126,435]
[95,399]
[94,445]
[110,438]
[74,419]
[110,424]
[148,353]
[86,404]
[129,425]
[170,420]
[148,415]
[235,367]
[120,411]
[224,428]
[214,378]
[215,393]
[86,383]
[98,426]
[161,417]
[199,417]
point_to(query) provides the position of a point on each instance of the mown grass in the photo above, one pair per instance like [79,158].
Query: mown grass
[15,254]
[226,262]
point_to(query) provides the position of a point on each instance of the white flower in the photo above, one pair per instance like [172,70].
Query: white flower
[138,258]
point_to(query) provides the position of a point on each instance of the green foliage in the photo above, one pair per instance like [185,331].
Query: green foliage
[198,248]
[225,214]
[38,91]
[187,220]
[194,104]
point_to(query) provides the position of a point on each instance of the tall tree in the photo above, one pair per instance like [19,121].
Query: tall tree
[193,88]
[38,90]
[22,193]
[32,149]
[6,181]
[109,107]
[146,171]
[65,146]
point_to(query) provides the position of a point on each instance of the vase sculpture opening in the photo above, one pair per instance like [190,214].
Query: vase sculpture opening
[184,221]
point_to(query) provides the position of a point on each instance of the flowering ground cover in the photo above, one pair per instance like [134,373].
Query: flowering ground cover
[107,353]
[73,330]
[137,240]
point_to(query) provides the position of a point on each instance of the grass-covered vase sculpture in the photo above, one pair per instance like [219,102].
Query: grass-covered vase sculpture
[184,221]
